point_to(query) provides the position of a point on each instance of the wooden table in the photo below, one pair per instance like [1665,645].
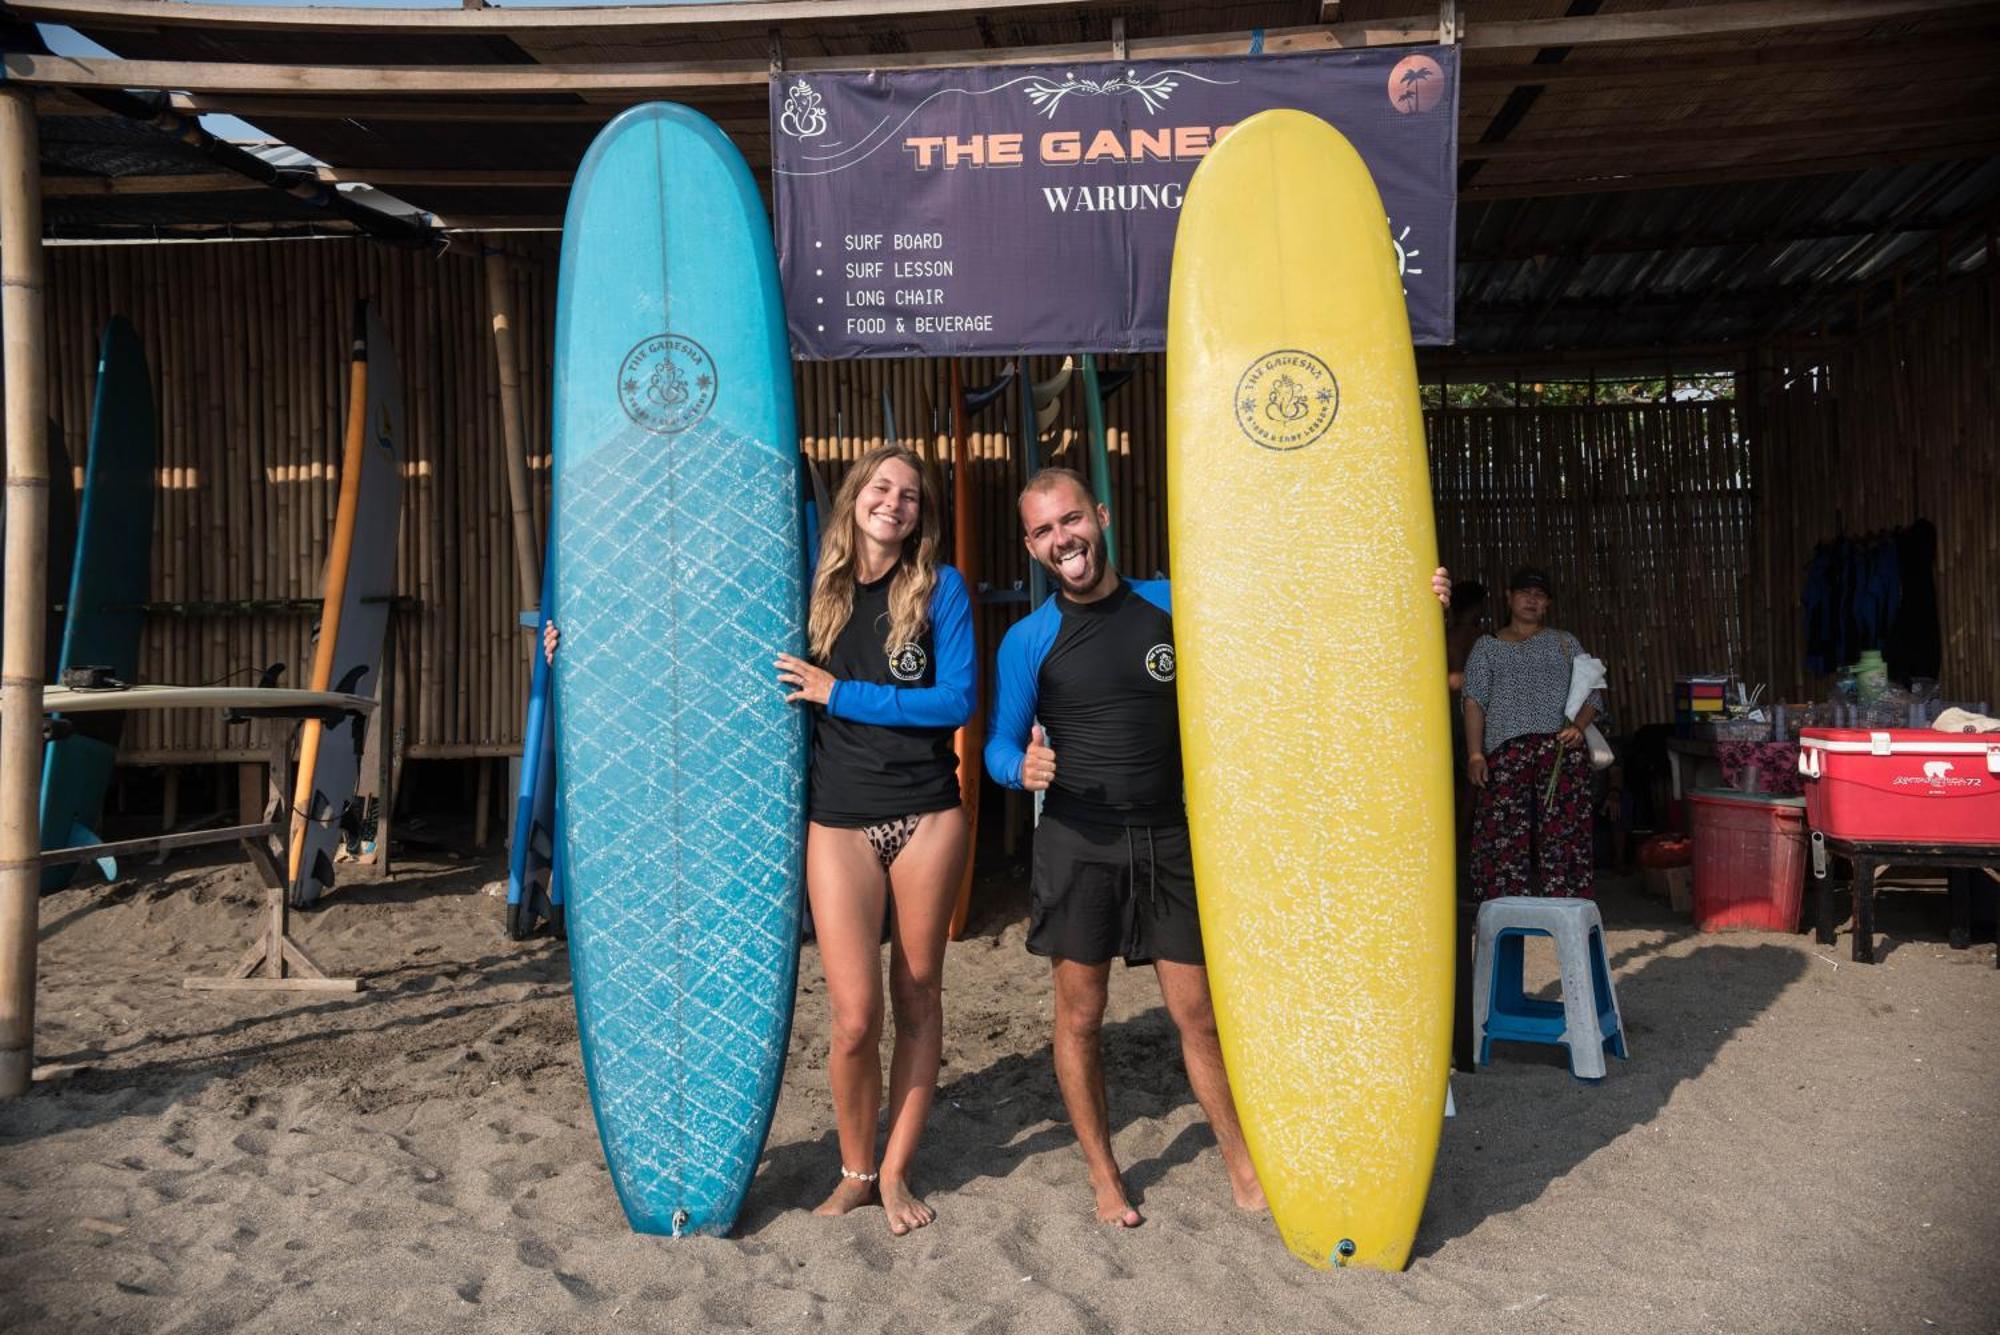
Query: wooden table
[274,962]
[1869,857]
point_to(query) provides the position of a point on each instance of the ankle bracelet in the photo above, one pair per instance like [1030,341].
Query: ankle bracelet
[853,1176]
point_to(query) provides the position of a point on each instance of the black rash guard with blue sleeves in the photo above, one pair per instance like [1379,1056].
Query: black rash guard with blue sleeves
[1099,677]
[882,744]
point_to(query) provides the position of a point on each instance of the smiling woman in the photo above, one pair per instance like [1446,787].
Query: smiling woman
[891,678]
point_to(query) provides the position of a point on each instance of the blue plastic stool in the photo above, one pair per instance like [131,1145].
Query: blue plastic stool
[1587,1017]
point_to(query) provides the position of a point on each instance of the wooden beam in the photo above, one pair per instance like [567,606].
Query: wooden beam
[1801,59]
[1433,363]
[222,77]
[643,77]
[1752,171]
[1702,20]
[452,176]
[1726,143]
[508,222]
[441,112]
[99,187]
[491,20]
[1716,20]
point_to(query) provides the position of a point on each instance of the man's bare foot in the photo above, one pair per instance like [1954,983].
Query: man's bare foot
[851,1194]
[1249,1192]
[1113,1207]
[906,1213]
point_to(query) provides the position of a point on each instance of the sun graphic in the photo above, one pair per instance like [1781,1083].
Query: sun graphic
[1405,252]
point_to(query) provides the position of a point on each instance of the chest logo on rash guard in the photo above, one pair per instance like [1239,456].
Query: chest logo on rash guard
[1160,662]
[907,662]
[1286,399]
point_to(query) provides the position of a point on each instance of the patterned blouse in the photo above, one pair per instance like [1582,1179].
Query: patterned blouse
[1523,687]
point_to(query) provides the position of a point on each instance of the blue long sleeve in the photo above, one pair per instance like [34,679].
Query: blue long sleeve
[947,704]
[1016,690]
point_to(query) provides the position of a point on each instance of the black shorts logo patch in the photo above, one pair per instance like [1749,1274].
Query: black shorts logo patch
[667,383]
[1160,662]
[1286,400]
[907,662]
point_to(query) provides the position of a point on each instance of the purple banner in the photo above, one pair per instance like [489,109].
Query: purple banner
[1020,208]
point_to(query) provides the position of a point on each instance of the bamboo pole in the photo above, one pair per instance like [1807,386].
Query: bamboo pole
[500,315]
[23,327]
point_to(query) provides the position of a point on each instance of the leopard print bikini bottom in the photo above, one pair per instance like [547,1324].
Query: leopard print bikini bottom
[890,837]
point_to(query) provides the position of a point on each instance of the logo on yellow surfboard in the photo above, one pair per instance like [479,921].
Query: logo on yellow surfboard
[1286,399]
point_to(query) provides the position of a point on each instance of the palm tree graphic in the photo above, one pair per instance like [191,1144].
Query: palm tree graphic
[1413,78]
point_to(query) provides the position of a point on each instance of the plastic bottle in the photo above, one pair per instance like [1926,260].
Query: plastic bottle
[1871,676]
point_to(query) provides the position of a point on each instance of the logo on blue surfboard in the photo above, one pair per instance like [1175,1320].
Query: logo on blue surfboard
[667,383]
[1286,400]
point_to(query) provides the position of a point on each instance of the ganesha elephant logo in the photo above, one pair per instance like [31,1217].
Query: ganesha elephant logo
[667,383]
[1287,402]
[1286,399]
[804,116]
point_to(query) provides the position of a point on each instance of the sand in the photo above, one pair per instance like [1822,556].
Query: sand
[1798,1143]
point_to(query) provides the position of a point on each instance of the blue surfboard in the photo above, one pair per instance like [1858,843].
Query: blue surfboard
[679,575]
[534,876]
[109,581]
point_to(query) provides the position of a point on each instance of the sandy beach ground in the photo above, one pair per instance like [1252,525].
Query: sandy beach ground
[1799,1143]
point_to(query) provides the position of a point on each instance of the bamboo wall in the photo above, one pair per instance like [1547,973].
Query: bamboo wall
[248,348]
[1900,423]
[1641,515]
[1644,515]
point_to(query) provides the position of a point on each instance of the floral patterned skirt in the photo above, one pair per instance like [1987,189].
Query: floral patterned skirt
[1522,843]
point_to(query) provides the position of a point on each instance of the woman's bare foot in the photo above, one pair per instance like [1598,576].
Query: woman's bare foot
[851,1194]
[906,1213]
[1113,1206]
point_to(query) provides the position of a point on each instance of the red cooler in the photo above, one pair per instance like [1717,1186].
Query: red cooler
[1749,860]
[1902,785]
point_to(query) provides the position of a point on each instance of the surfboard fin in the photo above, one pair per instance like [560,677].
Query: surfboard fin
[82,836]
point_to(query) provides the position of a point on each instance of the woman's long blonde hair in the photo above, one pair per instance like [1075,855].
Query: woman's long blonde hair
[916,573]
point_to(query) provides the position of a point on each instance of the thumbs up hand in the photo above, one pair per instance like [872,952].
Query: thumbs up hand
[1038,764]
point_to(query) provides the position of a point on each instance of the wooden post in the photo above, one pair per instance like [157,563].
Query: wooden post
[22,327]
[274,962]
[500,311]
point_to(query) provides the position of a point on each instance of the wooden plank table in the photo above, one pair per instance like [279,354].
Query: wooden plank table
[273,962]
[1869,857]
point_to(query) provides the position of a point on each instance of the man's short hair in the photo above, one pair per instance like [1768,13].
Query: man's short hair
[1050,478]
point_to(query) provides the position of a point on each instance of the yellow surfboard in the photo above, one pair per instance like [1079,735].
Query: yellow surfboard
[1312,683]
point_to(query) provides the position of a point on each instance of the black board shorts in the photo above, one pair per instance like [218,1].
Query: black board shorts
[1105,891]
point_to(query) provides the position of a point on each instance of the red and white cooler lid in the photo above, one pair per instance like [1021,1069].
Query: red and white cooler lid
[1954,749]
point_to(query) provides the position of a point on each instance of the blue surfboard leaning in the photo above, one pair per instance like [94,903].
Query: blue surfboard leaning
[534,877]
[679,576]
[109,582]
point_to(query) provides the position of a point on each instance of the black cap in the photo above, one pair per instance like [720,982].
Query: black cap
[1531,577]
